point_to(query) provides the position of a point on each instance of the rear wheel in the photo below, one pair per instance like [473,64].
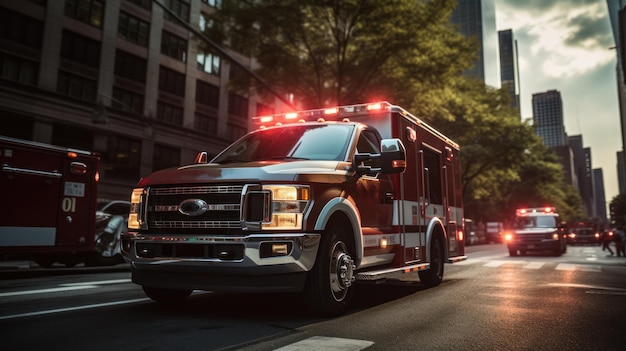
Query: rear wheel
[433,276]
[329,284]
[166,296]
[512,251]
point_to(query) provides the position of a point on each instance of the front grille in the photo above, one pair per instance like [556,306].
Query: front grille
[533,237]
[223,207]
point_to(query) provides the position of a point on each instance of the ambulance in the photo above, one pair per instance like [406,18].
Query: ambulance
[311,201]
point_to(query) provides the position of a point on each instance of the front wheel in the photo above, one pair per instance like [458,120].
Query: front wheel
[166,296]
[434,275]
[329,287]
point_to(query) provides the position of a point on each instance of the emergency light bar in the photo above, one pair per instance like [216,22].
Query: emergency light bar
[344,114]
[332,113]
[523,211]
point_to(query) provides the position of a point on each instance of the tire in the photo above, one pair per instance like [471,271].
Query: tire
[434,275]
[166,296]
[329,288]
[512,252]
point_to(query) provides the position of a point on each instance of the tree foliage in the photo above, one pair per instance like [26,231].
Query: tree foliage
[335,52]
[618,211]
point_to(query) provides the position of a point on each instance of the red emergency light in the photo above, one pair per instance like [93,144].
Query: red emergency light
[339,113]
[523,211]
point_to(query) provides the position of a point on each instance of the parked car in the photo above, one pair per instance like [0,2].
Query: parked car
[584,235]
[111,221]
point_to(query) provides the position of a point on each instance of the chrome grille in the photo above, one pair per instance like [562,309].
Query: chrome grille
[223,207]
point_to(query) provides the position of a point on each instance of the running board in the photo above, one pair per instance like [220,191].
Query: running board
[456,259]
[381,274]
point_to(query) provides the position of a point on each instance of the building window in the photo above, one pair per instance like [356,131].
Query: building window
[122,158]
[213,3]
[130,66]
[165,157]
[181,9]
[20,29]
[70,136]
[80,49]
[207,94]
[127,100]
[169,113]
[208,62]
[133,29]
[87,11]
[262,109]
[76,86]
[174,46]
[236,131]
[205,123]
[171,81]
[237,105]
[142,3]
[18,69]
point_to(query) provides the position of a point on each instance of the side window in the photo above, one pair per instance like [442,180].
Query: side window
[432,171]
[369,143]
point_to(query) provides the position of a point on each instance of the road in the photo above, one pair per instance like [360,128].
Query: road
[491,301]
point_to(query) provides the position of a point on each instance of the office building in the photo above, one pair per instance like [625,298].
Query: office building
[122,78]
[477,19]
[617,15]
[548,118]
[509,73]
[600,212]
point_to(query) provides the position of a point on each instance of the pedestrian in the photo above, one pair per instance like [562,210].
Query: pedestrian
[605,238]
[620,238]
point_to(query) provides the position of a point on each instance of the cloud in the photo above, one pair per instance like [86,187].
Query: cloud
[569,39]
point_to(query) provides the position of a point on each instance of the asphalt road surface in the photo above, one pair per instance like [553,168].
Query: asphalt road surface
[489,302]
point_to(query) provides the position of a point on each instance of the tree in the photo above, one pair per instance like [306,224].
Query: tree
[334,52]
[618,210]
[337,52]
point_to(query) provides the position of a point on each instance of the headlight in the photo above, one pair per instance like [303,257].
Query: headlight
[508,236]
[134,217]
[555,236]
[288,205]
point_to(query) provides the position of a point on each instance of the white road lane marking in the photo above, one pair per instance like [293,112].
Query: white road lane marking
[44,291]
[76,308]
[66,287]
[327,344]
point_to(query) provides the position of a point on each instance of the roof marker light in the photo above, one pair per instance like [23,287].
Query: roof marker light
[266,119]
[376,106]
[292,115]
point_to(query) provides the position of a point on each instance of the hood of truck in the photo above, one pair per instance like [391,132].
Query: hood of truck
[246,172]
[535,231]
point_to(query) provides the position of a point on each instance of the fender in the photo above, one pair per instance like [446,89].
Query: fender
[436,222]
[346,207]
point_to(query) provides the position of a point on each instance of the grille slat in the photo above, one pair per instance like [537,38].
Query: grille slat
[224,207]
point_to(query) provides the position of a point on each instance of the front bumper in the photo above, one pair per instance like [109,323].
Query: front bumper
[217,263]
[546,244]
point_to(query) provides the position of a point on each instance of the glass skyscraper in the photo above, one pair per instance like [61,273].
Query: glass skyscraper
[548,118]
[477,18]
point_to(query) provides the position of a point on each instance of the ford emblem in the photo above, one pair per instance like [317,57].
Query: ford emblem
[193,207]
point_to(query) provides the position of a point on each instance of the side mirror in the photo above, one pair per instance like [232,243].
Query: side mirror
[392,156]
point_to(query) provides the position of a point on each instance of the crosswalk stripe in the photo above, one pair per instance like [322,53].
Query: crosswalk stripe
[534,265]
[327,343]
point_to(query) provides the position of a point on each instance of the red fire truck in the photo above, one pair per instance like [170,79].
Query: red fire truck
[312,201]
[48,201]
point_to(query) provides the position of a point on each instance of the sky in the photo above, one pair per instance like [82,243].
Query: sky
[566,45]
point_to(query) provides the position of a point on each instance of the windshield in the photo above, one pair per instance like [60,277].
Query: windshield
[535,222]
[305,142]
